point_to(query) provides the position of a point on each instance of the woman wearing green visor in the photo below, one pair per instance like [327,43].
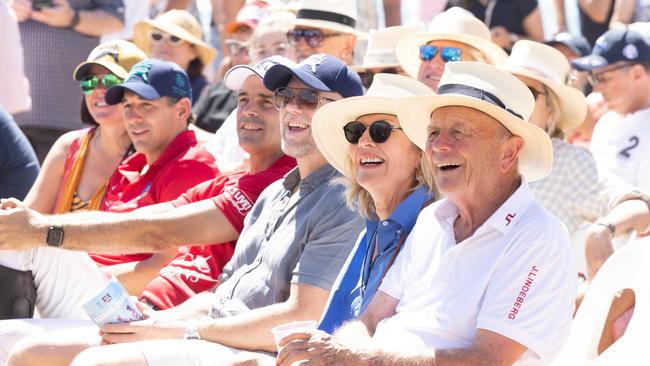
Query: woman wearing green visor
[75,171]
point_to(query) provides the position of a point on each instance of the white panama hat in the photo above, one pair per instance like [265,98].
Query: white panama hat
[492,91]
[336,15]
[549,66]
[455,24]
[328,121]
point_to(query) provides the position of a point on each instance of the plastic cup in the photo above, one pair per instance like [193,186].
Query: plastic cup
[284,330]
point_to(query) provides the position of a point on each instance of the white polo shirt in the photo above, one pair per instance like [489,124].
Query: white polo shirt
[515,276]
[621,145]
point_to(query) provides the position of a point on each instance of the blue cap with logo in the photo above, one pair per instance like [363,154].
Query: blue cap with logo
[153,79]
[321,72]
[615,45]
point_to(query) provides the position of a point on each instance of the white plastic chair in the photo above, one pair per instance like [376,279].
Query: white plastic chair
[628,267]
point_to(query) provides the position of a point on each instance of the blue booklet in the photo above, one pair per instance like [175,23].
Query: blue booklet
[112,305]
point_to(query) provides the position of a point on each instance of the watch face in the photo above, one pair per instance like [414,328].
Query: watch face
[55,236]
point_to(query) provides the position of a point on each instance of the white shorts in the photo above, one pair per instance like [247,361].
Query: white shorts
[65,279]
[185,352]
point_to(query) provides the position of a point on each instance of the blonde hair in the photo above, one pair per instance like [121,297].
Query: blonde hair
[359,199]
[555,110]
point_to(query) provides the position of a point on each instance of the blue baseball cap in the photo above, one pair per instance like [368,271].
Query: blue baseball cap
[615,45]
[577,44]
[321,72]
[153,79]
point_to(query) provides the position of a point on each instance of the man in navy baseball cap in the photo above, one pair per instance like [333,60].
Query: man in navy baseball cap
[153,79]
[616,45]
[299,90]
[157,101]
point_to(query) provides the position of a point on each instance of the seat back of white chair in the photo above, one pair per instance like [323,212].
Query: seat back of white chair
[628,267]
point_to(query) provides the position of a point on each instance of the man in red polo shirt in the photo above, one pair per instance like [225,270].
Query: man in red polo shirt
[156,98]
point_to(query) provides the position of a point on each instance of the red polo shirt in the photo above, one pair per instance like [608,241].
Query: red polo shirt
[196,268]
[181,166]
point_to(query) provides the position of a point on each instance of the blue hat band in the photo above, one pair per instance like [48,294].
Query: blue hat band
[477,93]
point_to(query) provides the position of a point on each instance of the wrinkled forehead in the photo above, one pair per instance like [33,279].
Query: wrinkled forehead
[461,116]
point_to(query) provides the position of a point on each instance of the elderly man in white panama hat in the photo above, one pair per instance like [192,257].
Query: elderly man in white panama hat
[575,191]
[325,26]
[453,35]
[380,54]
[486,276]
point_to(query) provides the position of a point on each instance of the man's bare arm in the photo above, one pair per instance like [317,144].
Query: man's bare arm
[139,231]
[252,330]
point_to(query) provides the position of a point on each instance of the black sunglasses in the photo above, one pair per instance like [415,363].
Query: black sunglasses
[379,131]
[308,98]
[313,37]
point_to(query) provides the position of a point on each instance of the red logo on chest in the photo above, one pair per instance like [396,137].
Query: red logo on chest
[509,218]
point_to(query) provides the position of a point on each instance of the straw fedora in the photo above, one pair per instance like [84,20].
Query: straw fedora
[179,23]
[455,24]
[328,121]
[336,15]
[549,66]
[116,56]
[380,51]
[492,91]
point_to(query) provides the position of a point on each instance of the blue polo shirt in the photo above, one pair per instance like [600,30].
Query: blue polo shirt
[360,277]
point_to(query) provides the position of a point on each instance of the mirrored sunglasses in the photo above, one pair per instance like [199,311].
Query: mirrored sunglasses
[379,131]
[90,83]
[313,37]
[428,52]
[307,98]
[159,37]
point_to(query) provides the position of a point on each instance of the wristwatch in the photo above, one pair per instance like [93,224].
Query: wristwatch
[192,332]
[55,236]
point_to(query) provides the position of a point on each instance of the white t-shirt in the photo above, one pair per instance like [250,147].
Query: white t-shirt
[621,145]
[515,276]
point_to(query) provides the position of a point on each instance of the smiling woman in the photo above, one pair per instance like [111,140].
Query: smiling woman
[386,181]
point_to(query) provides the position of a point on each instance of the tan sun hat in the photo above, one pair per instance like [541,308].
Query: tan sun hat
[549,66]
[492,91]
[328,121]
[117,56]
[380,51]
[335,15]
[179,23]
[455,24]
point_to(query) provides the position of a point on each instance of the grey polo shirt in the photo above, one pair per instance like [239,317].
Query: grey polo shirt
[304,237]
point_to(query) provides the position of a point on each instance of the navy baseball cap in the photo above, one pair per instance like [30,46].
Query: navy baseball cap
[321,72]
[153,79]
[577,44]
[615,45]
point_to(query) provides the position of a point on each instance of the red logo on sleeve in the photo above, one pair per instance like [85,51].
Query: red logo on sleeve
[509,218]
[521,296]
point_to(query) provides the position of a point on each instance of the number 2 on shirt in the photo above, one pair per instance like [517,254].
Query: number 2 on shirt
[634,142]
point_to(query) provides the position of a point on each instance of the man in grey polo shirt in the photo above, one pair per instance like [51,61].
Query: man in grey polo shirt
[295,239]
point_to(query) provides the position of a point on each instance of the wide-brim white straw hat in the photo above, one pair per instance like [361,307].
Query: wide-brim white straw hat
[454,24]
[335,15]
[492,91]
[380,52]
[549,66]
[179,23]
[328,121]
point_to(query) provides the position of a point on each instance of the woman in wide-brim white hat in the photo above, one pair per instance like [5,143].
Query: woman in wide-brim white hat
[453,35]
[386,181]
[177,36]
